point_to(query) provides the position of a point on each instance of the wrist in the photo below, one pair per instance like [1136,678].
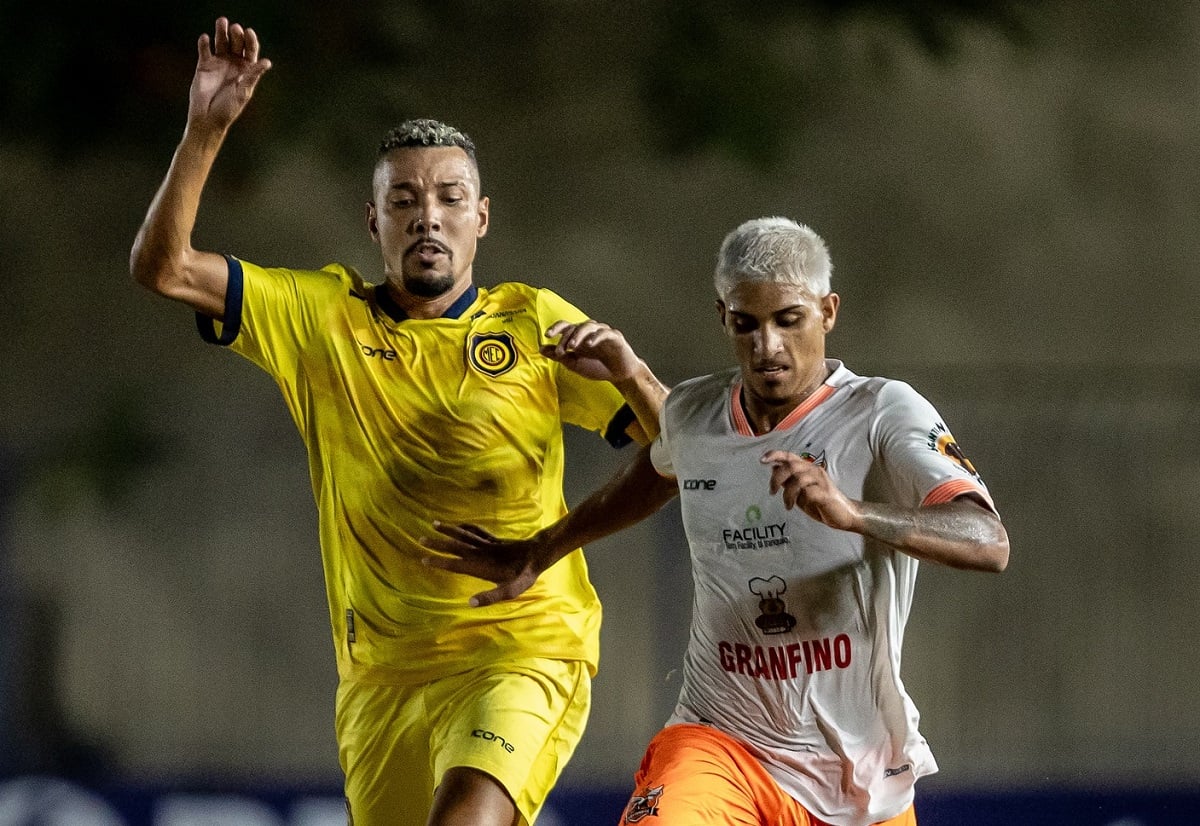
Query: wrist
[204,137]
[637,373]
[550,541]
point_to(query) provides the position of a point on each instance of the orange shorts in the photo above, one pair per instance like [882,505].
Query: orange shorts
[695,774]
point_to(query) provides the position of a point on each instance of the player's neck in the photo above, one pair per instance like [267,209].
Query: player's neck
[764,415]
[425,307]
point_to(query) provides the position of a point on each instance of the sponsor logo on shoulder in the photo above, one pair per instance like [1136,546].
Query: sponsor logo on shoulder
[897,770]
[942,440]
[699,484]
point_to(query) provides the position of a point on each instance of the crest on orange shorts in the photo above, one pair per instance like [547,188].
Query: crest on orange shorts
[643,805]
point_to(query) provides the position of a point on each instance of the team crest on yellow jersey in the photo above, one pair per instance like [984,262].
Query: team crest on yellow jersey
[492,353]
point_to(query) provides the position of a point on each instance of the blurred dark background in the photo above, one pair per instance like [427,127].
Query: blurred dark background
[1009,191]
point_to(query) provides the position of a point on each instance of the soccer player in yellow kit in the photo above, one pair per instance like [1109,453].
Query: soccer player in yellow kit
[421,400]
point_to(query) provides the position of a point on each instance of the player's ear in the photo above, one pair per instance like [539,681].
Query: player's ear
[372,224]
[483,217]
[721,311]
[829,311]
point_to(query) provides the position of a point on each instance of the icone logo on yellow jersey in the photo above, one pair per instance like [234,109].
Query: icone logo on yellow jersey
[492,353]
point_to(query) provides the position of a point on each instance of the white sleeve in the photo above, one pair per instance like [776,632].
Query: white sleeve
[923,462]
[660,449]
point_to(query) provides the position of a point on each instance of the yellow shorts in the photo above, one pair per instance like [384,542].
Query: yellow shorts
[519,722]
[696,774]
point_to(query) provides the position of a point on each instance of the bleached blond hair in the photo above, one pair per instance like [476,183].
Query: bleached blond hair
[775,251]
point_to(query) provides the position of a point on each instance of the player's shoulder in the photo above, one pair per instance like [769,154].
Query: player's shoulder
[331,277]
[891,399]
[546,304]
[878,389]
[708,382]
[701,390]
[513,291]
[509,301]
[510,294]
[339,277]
[891,391]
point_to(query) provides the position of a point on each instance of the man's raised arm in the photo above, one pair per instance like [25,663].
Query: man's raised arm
[228,69]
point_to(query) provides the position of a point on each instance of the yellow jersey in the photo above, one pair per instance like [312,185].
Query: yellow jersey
[407,421]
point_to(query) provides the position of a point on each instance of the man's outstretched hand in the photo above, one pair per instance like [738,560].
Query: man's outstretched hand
[513,564]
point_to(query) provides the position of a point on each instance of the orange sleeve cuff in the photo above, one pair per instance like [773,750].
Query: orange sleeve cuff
[951,490]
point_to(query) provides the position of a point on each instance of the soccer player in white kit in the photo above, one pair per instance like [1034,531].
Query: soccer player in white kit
[808,495]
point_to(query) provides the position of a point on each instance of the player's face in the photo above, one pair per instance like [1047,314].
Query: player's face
[778,335]
[427,217]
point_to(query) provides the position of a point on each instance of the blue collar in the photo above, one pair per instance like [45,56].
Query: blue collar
[383,298]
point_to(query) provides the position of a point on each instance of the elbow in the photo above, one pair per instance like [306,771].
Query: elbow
[153,270]
[995,553]
[997,559]
[143,268]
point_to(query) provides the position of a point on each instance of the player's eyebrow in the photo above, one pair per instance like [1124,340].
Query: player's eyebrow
[459,182]
[793,308]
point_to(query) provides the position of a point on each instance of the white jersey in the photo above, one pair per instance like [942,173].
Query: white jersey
[796,627]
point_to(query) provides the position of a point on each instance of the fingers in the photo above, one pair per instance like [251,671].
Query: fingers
[781,469]
[221,36]
[501,593]
[463,561]
[556,329]
[470,550]
[791,476]
[250,45]
[232,40]
[805,485]
[464,532]
[584,335]
[479,569]
[486,598]
[772,457]
[464,541]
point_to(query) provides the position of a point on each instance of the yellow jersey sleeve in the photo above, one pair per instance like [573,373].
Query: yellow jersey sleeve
[592,405]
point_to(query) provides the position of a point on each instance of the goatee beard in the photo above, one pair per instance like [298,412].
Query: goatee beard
[428,286]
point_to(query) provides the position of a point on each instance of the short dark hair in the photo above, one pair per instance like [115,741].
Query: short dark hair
[420,132]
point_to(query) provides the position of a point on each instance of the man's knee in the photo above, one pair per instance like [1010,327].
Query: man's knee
[470,797]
